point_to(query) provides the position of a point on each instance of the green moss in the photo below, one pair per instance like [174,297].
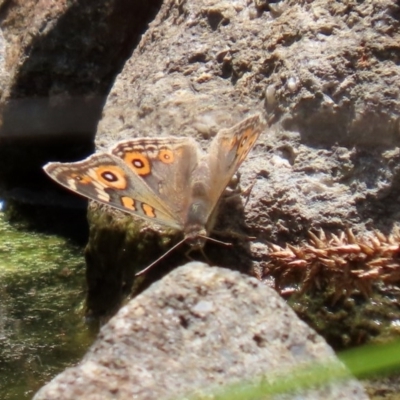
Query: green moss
[354,320]
[42,292]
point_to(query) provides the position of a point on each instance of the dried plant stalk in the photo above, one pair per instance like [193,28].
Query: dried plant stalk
[345,262]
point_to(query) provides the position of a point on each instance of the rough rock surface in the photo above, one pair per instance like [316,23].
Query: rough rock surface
[325,76]
[58,60]
[196,329]
[327,71]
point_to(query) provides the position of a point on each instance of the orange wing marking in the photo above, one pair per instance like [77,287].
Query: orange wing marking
[128,202]
[138,162]
[148,210]
[111,176]
[166,156]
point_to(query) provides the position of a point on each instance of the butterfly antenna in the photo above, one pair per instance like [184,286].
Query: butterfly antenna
[159,258]
[215,240]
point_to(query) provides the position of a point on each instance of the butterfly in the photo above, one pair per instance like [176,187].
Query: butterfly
[167,180]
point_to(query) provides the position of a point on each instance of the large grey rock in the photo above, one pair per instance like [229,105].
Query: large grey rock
[58,60]
[325,76]
[198,328]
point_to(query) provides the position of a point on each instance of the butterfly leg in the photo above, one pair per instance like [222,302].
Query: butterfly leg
[187,255]
[247,192]
[234,193]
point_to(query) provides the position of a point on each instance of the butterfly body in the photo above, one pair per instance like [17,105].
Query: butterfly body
[168,180]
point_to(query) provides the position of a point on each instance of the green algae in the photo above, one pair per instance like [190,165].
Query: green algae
[42,292]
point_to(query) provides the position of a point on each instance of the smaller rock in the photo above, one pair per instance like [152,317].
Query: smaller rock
[198,328]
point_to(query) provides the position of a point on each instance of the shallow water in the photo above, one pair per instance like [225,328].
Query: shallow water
[42,291]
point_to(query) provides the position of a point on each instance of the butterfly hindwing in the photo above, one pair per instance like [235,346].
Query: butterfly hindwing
[228,150]
[165,164]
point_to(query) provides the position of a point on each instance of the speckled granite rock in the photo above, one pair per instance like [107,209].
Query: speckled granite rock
[198,328]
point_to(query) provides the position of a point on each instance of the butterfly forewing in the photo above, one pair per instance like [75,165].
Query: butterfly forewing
[105,178]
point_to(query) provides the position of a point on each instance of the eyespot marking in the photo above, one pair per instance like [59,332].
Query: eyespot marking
[138,162]
[111,176]
[82,179]
[166,156]
[247,141]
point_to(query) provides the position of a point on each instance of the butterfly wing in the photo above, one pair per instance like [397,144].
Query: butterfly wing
[165,165]
[228,150]
[106,178]
[214,171]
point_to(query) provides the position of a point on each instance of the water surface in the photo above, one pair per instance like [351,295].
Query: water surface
[42,291]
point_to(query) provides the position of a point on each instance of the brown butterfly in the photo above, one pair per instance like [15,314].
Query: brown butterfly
[167,180]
